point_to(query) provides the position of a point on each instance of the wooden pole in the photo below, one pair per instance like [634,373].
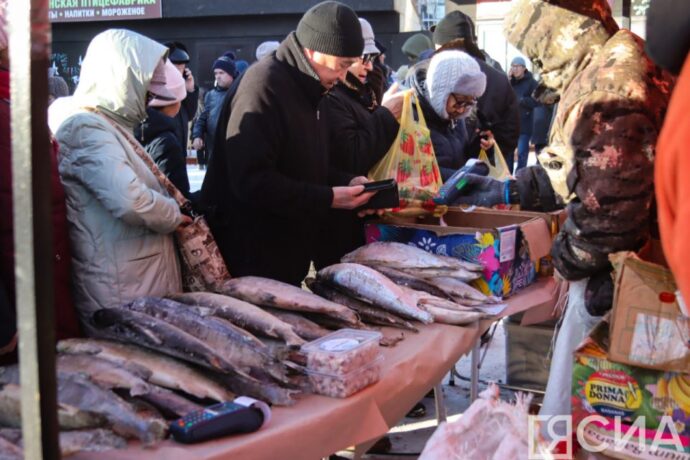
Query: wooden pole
[29,50]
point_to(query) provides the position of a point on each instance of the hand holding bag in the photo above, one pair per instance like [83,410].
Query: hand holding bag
[412,162]
[203,266]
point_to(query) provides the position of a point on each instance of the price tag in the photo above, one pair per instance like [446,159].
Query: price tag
[508,238]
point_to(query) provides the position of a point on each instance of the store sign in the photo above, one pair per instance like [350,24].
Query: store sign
[103,10]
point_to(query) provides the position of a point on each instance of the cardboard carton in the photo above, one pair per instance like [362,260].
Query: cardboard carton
[639,397]
[647,328]
[507,246]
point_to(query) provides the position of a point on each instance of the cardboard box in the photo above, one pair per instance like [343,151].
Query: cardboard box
[611,390]
[647,326]
[499,242]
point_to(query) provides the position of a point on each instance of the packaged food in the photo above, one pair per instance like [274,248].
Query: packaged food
[343,385]
[343,351]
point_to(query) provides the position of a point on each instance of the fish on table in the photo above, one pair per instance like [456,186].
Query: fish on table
[366,283]
[368,312]
[460,291]
[71,442]
[270,293]
[144,330]
[242,314]
[305,328]
[398,255]
[69,417]
[164,370]
[238,347]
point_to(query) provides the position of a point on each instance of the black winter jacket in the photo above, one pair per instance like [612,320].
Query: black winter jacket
[157,135]
[360,135]
[542,123]
[207,123]
[185,115]
[524,88]
[268,186]
[499,106]
[449,139]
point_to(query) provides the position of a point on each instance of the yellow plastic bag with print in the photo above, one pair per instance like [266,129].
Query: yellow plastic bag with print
[498,168]
[412,163]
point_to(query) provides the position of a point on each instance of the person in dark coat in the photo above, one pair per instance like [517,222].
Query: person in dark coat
[179,56]
[66,323]
[455,83]
[361,132]
[523,84]
[599,161]
[157,134]
[204,130]
[498,105]
[269,186]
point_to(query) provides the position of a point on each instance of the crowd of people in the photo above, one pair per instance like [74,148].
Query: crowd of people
[288,140]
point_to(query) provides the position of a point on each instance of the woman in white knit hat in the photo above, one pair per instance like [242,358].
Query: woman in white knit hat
[448,86]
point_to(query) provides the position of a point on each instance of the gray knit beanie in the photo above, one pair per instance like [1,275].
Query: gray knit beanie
[456,72]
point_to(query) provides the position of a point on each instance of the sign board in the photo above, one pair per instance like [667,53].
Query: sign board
[103,10]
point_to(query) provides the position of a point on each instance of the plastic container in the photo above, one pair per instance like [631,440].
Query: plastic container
[342,352]
[344,385]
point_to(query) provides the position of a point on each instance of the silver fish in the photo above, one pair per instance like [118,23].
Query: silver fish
[69,417]
[109,375]
[79,392]
[264,391]
[270,293]
[242,350]
[165,371]
[304,327]
[10,450]
[430,273]
[401,278]
[458,290]
[398,255]
[99,440]
[370,285]
[242,314]
[444,311]
[146,331]
[368,312]
[71,442]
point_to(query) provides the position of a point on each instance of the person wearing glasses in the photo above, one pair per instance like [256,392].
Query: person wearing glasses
[361,132]
[448,86]
[269,185]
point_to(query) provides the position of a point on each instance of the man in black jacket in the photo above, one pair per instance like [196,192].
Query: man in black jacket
[179,56]
[269,186]
[498,104]
[523,84]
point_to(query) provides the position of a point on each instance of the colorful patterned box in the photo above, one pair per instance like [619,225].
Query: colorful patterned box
[498,242]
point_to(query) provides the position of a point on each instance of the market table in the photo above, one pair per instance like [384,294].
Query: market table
[318,426]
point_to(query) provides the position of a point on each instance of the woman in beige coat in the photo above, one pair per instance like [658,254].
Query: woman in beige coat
[121,219]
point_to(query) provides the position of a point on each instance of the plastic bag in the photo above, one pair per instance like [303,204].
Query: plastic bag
[498,169]
[412,163]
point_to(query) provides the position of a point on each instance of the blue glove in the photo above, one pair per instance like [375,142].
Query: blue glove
[483,191]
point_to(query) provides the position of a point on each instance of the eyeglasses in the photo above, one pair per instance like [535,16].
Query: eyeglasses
[459,104]
[369,57]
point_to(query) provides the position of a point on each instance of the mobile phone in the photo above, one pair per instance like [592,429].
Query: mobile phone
[386,197]
[379,185]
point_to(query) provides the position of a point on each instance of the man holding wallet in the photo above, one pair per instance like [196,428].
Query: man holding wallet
[269,186]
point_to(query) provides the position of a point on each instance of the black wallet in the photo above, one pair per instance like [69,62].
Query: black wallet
[386,195]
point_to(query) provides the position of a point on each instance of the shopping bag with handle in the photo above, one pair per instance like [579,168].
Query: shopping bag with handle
[412,163]
[498,168]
